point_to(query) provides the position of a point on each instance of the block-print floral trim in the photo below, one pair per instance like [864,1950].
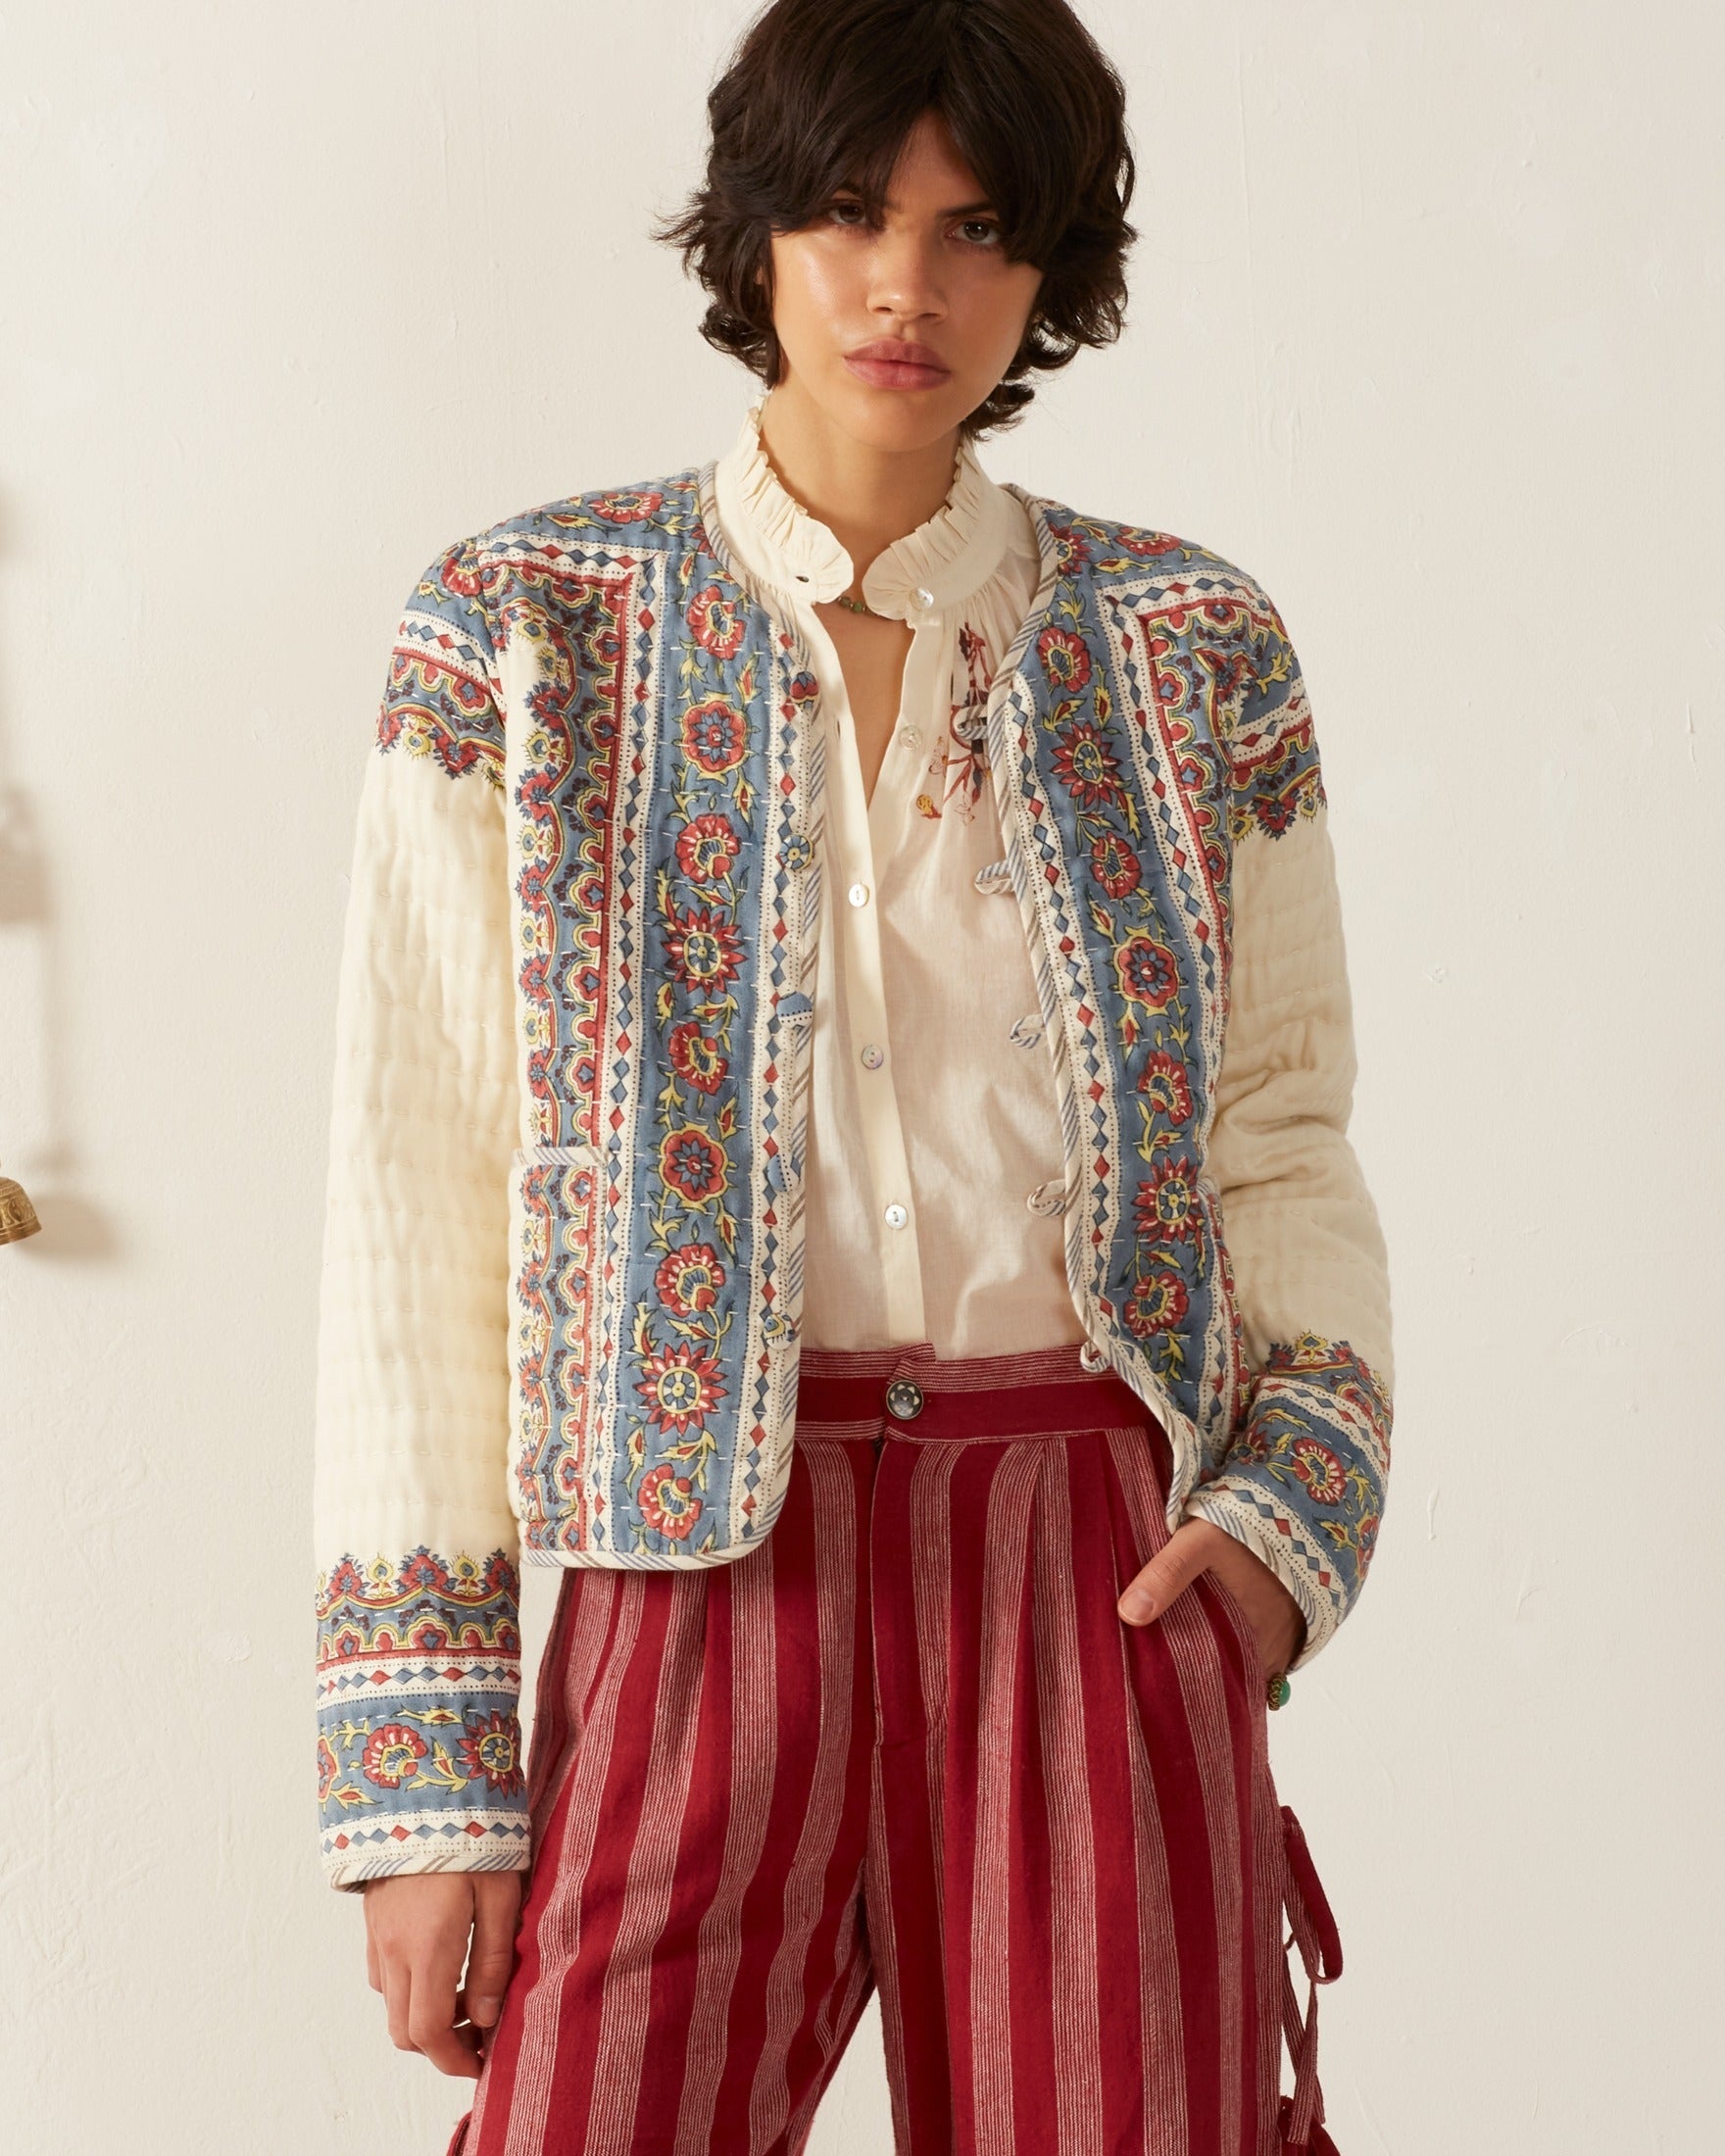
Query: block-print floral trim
[1305,1476]
[418,1741]
[439,700]
[1277,778]
[1136,675]
[666,826]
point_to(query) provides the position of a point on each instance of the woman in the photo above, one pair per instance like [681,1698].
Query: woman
[832,940]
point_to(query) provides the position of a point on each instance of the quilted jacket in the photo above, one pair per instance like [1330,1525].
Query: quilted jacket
[573,1031]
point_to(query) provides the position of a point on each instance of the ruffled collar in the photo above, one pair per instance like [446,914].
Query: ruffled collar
[940,565]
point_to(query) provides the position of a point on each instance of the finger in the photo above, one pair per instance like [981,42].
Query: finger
[373,1962]
[397,1992]
[497,1902]
[431,2017]
[1168,1574]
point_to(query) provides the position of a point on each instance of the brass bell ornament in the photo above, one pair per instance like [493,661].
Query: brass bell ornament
[17,1216]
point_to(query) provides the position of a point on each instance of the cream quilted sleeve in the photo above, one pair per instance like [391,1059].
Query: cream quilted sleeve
[417,1586]
[1303,1483]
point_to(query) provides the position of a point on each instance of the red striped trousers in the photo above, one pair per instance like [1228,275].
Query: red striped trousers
[908,1742]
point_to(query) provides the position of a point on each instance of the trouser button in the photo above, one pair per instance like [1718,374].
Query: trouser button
[903,1399]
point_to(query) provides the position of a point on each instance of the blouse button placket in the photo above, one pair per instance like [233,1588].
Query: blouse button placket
[852,836]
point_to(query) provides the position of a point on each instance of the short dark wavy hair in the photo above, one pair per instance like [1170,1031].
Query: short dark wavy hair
[822,93]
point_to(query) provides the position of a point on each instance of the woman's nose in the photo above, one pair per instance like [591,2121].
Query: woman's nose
[905,276]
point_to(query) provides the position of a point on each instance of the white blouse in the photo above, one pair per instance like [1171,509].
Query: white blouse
[933,1174]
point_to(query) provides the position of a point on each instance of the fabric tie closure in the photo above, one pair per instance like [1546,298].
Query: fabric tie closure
[970,725]
[1299,2118]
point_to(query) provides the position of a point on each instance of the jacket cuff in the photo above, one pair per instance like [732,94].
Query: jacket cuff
[1302,1484]
[420,1765]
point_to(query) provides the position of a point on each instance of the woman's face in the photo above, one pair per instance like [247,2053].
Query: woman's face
[933,281]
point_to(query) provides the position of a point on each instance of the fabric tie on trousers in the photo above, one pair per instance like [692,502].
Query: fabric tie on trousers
[1301,2115]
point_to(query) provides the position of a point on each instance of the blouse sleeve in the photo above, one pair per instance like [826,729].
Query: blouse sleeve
[1303,1483]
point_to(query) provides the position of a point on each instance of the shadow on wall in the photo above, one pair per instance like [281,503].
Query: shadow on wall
[37,1143]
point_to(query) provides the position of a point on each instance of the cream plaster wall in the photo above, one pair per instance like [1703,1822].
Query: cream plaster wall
[1426,333]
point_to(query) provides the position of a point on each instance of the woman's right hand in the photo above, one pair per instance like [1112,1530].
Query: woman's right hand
[420,1928]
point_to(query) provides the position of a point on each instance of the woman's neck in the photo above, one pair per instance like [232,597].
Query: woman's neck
[867,495]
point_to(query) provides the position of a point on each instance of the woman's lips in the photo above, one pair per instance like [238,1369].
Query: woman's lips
[895,374]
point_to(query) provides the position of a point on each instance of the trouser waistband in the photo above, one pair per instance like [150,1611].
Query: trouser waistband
[910,1391]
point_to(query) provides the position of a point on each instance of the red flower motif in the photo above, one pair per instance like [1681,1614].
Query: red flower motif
[1115,865]
[1072,551]
[392,1756]
[667,1505]
[1086,765]
[694,1163]
[706,848]
[682,1386]
[1273,814]
[689,1278]
[457,577]
[1165,1078]
[1166,1205]
[1155,1305]
[1319,1470]
[695,1058]
[627,504]
[1065,657]
[1147,972]
[328,1767]
[716,620]
[1134,539]
[1229,666]
[704,951]
[424,1573]
[493,1748]
[715,736]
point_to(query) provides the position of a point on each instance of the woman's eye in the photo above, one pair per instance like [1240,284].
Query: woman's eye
[985,225]
[837,209]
